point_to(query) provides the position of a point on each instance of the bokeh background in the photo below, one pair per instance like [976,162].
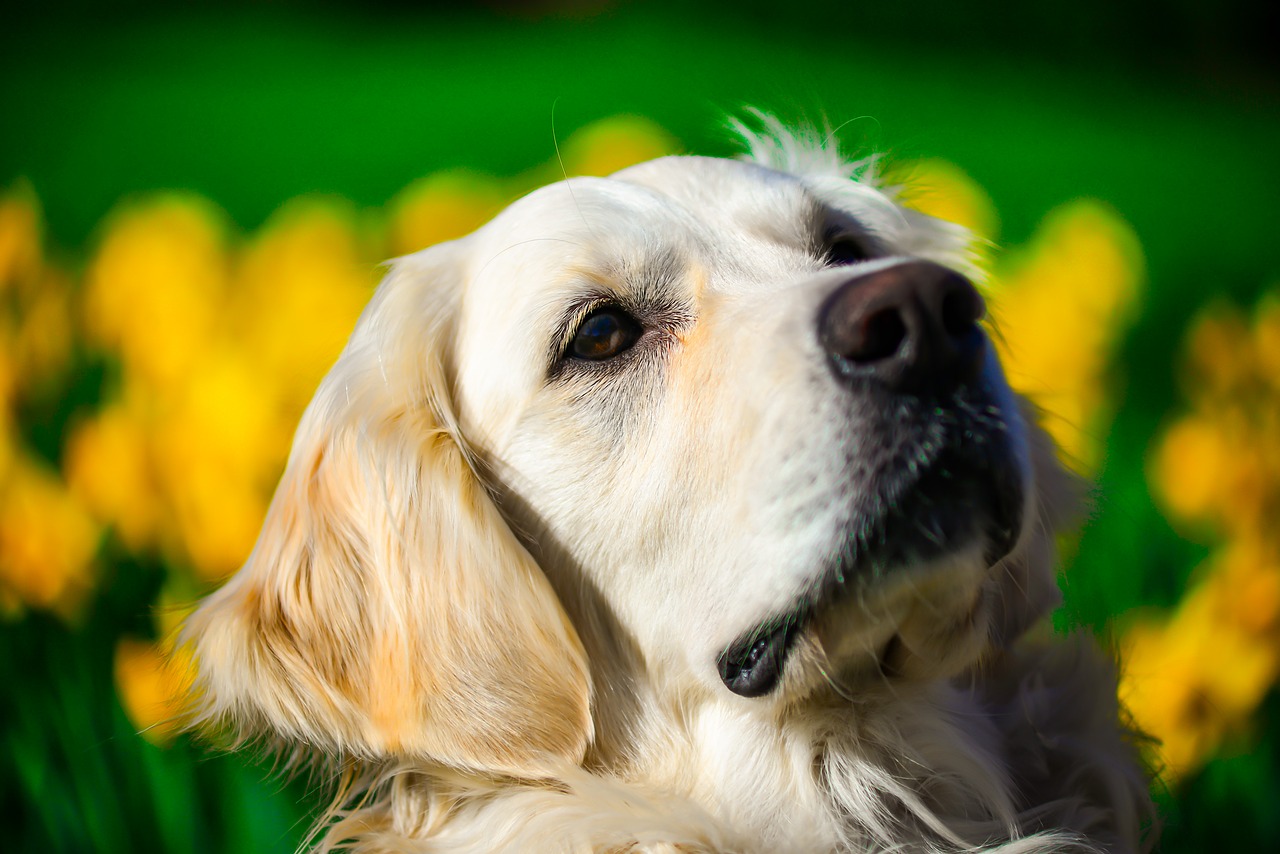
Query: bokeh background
[194,203]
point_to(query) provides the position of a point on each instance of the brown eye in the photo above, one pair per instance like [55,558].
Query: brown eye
[842,251]
[604,334]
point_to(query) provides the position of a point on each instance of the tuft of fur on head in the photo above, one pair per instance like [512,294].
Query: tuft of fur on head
[815,157]
[801,150]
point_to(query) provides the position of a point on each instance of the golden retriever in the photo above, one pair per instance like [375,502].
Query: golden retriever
[682,510]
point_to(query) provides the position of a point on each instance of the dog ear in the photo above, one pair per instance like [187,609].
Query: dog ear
[387,608]
[1027,587]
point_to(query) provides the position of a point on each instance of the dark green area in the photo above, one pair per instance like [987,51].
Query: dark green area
[1171,115]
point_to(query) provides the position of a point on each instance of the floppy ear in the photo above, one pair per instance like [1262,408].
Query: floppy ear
[1027,588]
[387,609]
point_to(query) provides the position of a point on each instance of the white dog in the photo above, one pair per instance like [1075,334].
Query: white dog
[681,510]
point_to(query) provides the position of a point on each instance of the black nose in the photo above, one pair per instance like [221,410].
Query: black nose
[913,327]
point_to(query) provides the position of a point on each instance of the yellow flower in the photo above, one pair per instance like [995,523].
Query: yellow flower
[155,284]
[941,189]
[8,390]
[1191,469]
[218,452]
[175,604]
[1219,653]
[47,540]
[1220,465]
[35,340]
[109,467]
[1266,337]
[42,347]
[1195,678]
[152,687]
[442,207]
[21,258]
[604,147]
[1246,584]
[300,289]
[1219,352]
[1060,306]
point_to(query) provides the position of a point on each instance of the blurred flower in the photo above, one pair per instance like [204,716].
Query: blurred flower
[151,685]
[442,207]
[1195,676]
[1191,468]
[299,288]
[604,147]
[1218,467]
[1219,355]
[942,189]
[47,540]
[43,343]
[1060,307]
[1266,338]
[153,287]
[218,454]
[21,256]
[220,350]
[108,464]
[36,312]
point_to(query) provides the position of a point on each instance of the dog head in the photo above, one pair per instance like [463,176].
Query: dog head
[736,422]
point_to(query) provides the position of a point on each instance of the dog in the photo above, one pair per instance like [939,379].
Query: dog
[683,510]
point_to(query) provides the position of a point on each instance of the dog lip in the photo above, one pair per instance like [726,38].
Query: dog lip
[752,665]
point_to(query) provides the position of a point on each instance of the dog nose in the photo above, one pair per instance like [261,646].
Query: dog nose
[913,327]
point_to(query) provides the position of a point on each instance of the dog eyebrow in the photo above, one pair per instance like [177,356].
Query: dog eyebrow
[655,277]
[653,287]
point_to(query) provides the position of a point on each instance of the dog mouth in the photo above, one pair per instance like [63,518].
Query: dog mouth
[968,499]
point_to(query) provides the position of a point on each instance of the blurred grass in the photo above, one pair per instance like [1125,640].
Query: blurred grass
[253,109]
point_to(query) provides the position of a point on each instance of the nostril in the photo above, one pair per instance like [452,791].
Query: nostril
[879,336]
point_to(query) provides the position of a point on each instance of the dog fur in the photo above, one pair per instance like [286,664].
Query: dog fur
[493,584]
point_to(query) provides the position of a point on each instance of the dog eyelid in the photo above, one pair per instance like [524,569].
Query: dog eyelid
[842,249]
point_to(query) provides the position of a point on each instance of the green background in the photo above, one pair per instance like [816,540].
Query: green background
[1169,113]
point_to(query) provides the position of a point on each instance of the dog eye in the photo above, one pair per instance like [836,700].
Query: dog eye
[842,251]
[605,333]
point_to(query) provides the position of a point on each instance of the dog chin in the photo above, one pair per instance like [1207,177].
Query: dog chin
[927,621]
[902,594]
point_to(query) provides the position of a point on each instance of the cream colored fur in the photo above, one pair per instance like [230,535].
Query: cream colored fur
[495,597]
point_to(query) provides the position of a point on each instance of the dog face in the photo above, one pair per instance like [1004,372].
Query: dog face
[744,418]
[754,415]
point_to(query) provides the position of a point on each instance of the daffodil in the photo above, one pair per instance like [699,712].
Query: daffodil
[1199,674]
[299,288]
[109,466]
[442,207]
[1060,306]
[154,286]
[152,684]
[606,146]
[942,189]
[21,229]
[47,539]
[1195,677]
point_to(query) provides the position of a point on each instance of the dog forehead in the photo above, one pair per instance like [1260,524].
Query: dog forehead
[734,190]
[659,215]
